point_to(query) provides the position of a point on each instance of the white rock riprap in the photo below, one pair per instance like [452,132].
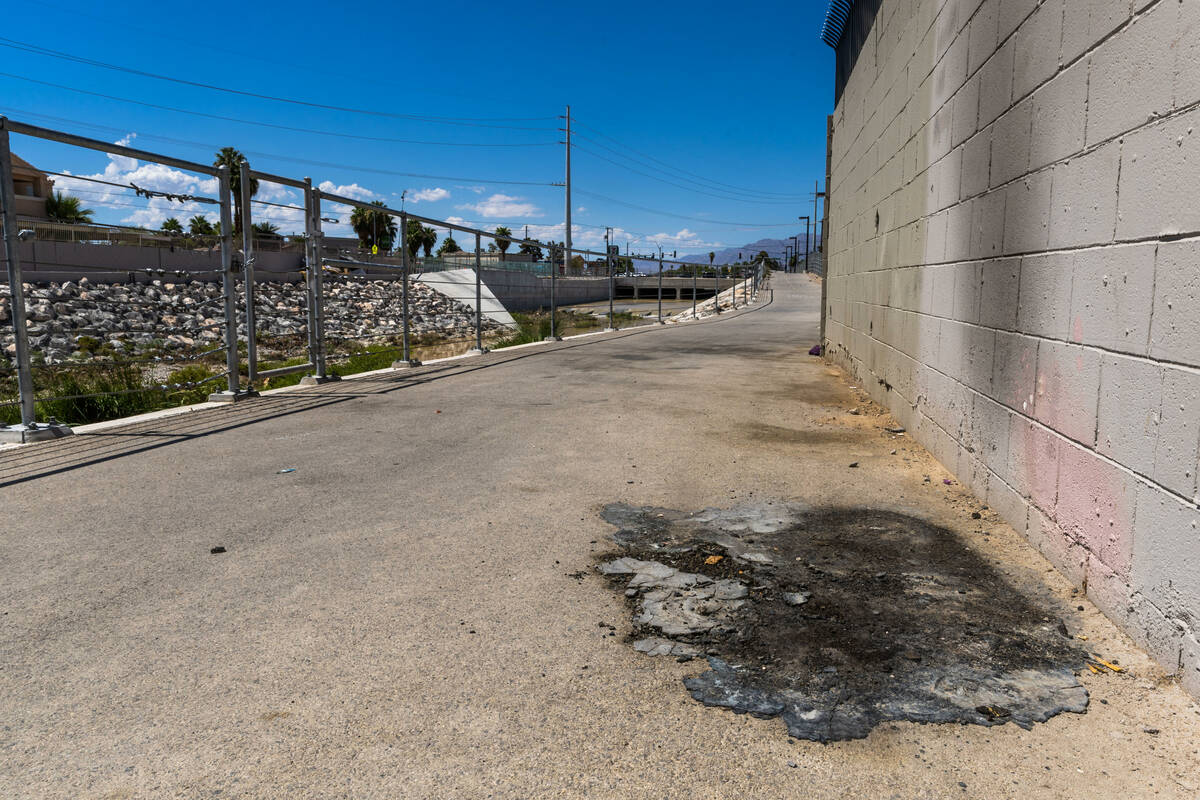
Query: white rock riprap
[187,315]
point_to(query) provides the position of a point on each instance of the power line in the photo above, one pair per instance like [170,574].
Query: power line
[727,197]
[212,148]
[691,174]
[681,216]
[275,126]
[475,122]
[159,32]
[724,193]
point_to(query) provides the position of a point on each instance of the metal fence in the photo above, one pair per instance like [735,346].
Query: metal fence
[172,335]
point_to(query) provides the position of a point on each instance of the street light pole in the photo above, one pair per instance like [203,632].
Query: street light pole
[807,240]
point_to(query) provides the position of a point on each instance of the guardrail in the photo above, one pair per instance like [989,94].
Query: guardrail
[82,350]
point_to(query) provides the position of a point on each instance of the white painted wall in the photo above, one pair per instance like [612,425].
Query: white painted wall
[1014,269]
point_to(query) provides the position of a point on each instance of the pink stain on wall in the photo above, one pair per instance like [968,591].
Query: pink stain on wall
[1095,506]
[1077,331]
[1016,372]
[1034,456]
[1068,381]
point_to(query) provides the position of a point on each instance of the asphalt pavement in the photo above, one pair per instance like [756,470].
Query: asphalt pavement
[407,606]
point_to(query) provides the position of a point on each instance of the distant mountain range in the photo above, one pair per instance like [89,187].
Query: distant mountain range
[775,248]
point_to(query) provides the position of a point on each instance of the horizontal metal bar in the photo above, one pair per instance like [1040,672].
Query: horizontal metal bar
[349,263]
[271,373]
[104,147]
[279,179]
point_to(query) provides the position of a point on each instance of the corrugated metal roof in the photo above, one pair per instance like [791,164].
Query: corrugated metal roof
[835,22]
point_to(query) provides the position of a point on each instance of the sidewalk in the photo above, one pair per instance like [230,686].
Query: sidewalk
[415,610]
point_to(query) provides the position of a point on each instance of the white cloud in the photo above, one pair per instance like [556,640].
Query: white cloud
[278,193]
[124,170]
[581,210]
[500,206]
[682,237]
[429,195]
[351,190]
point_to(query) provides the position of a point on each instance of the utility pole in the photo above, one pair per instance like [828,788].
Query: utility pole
[567,235]
[807,239]
[817,194]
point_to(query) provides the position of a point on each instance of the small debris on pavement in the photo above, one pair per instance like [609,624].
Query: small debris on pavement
[286,470]
[976,515]
[947,481]
[796,598]
[855,411]
[815,350]
[713,560]
[217,550]
[894,430]
[853,464]
[1107,665]
[994,712]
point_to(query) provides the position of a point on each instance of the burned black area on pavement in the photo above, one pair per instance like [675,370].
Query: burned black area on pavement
[838,619]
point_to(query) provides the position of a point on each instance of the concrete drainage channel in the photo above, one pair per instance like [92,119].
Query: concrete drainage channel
[836,620]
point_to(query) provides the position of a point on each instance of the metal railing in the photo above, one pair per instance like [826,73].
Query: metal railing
[265,332]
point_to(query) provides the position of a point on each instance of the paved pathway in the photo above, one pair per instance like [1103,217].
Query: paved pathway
[398,617]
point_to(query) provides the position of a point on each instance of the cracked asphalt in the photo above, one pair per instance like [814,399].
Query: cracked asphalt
[413,612]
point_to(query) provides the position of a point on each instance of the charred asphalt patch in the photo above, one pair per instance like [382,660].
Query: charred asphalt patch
[838,619]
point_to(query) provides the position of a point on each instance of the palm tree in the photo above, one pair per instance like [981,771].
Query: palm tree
[502,242]
[65,208]
[420,237]
[199,226]
[231,158]
[428,240]
[374,227]
[449,246]
[266,230]
[172,226]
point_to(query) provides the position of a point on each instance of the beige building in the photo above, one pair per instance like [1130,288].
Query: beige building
[31,187]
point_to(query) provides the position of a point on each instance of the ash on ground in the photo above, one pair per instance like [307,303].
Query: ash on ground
[838,619]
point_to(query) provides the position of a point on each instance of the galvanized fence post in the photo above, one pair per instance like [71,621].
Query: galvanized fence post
[28,430]
[660,320]
[248,276]
[612,320]
[233,391]
[310,262]
[717,290]
[695,272]
[478,297]
[733,288]
[319,286]
[553,337]
[406,359]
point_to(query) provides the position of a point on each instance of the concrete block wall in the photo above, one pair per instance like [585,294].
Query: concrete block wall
[1014,270]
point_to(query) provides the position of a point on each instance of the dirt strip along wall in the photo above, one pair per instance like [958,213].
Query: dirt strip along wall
[1014,270]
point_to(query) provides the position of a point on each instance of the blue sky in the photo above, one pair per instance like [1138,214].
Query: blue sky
[721,109]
